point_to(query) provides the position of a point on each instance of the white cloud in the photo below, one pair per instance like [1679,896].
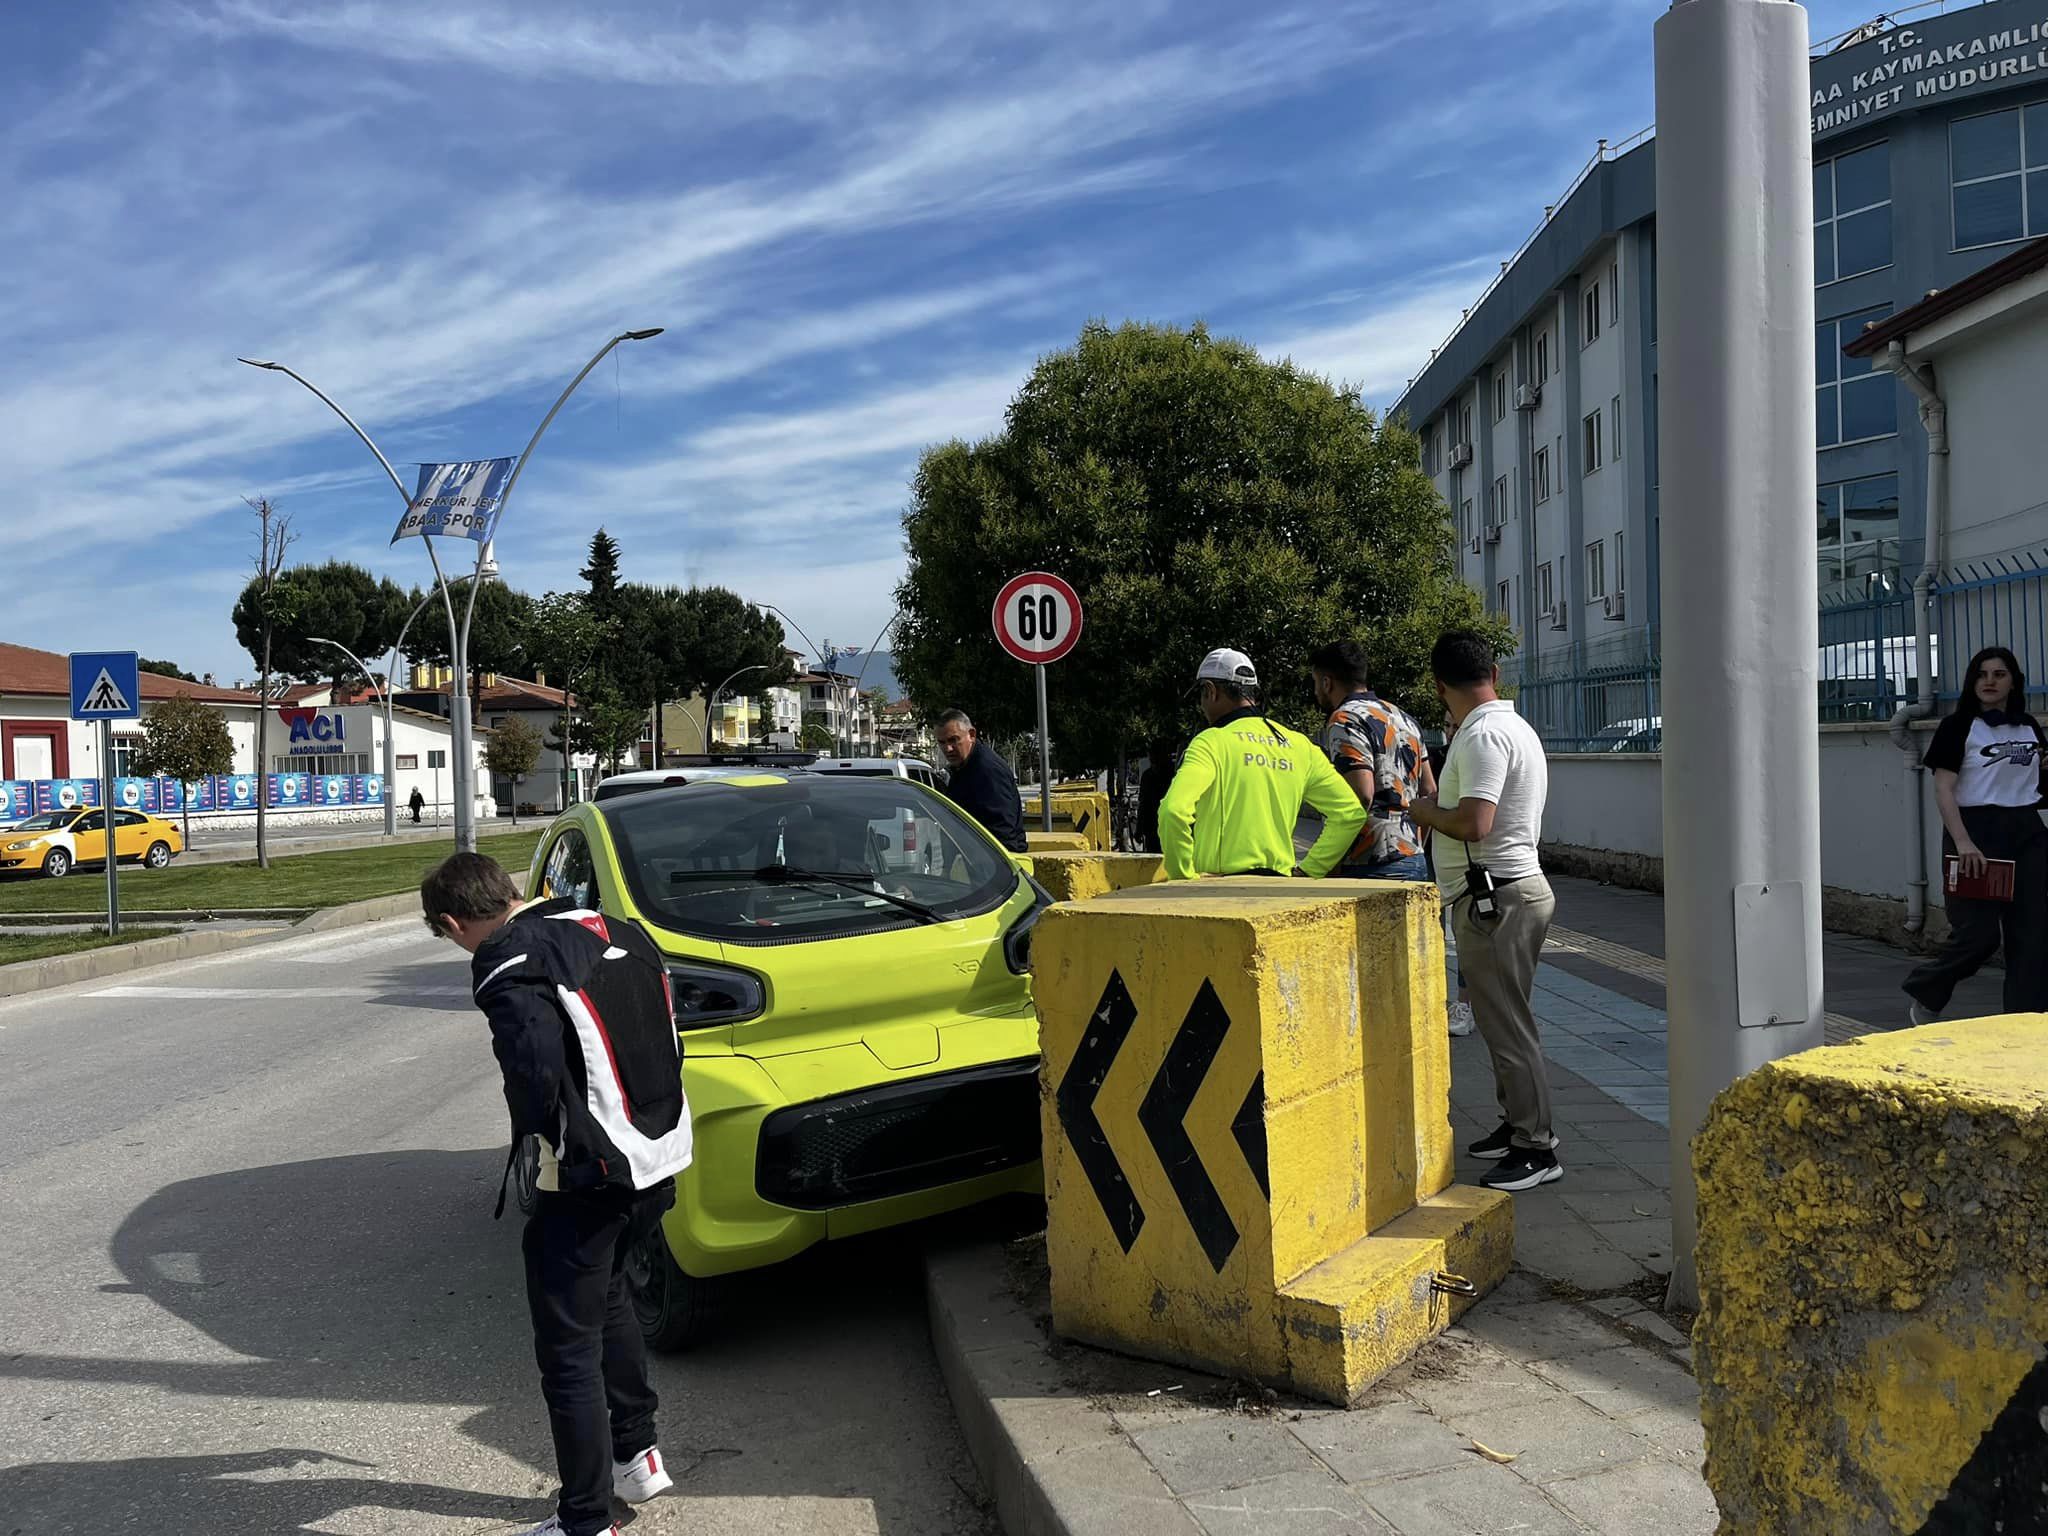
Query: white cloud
[1380,349]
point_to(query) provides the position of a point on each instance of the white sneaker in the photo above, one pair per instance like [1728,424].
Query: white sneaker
[1461,1019]
[552,1526]
[640,1479]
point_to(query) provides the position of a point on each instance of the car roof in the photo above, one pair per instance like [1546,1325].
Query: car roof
[643,779]
[857,764]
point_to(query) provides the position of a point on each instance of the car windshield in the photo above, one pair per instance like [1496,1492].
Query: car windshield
[695,859]
[48,821]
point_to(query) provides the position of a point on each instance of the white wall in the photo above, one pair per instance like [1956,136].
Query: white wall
[1998,456]
[1615,802]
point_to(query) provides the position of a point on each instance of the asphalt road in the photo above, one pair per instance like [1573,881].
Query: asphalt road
[252,1283]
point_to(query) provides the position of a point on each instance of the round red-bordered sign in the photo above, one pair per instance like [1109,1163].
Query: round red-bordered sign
[1037,617]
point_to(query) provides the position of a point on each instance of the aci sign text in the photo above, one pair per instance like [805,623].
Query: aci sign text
[314,731]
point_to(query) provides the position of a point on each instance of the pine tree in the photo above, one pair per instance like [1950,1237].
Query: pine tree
[603,574]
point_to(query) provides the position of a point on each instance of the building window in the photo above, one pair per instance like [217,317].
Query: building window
[1857,533]
[1500,395]
[1998,174]
[1544,600]
[1465,424]
[1620,563]
[1596,571]
[1557,459]
[406,760]
[1589,316]
[1540,473]
[1852,214]
[1614,430]
[1501,602]
[1470,533]
[437,759]
[1614,293]
[1855,399]
[1497,502]
[125,748]
[1542,354]
[1589,442]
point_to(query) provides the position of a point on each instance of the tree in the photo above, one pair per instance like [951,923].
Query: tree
[514,749]
[182,739]
[272,604]
[815,737]
[1196,496]
[332,601]
[166,669]
[601,575]
[563,642]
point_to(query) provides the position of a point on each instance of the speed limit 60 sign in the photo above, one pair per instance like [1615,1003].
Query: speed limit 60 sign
[1038,617]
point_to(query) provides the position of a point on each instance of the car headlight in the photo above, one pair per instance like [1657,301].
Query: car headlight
[1017,942]
[703,995]
[18,847]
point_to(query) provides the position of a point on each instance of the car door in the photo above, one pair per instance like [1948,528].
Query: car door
[89,838]
[570,870]
[132,834]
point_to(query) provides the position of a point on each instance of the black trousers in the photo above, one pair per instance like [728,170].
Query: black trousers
[1977,929]
[593,1362]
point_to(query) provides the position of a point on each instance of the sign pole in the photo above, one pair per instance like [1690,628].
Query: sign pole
[107,816]
[1044,756]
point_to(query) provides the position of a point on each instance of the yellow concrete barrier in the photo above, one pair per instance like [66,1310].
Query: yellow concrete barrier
[1082,810]
[1248,1149]
[1873,1266]
[1084,876]
[1036,842]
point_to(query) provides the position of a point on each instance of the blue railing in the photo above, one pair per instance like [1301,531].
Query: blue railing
[1603,696]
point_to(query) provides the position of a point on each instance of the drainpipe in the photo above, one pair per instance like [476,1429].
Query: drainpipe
[1933,417]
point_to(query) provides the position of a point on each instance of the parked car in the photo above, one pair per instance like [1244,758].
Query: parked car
[859,1047]
[642,779]
[57,842]
[917,840]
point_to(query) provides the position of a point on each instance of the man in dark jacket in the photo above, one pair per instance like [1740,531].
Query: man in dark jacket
[981,783]
[552,977]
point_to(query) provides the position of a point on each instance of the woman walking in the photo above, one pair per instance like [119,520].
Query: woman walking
[1987,759]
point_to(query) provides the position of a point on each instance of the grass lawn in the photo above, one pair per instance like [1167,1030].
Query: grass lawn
[35,946]
[303,880]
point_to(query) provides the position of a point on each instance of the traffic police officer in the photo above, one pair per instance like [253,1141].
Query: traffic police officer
[1232,806]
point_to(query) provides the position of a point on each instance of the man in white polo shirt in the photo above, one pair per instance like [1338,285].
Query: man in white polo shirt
[1487,815]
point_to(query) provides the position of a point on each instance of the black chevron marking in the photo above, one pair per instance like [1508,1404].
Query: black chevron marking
[1250,1130]
[1163,1115]
[1107,1030]
[2000,1488]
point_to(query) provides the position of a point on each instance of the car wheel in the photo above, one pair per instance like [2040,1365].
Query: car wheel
[57,864]
[159,855]
[526,1175]
[674,1309]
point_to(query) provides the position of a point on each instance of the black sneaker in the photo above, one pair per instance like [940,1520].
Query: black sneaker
[1525,1168]
[1499,1144]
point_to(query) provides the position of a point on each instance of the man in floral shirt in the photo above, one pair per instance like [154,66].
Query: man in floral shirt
[1378,750]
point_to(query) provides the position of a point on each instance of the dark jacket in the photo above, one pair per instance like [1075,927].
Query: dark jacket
[985,789]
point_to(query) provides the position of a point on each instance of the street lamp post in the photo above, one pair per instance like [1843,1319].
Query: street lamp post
[712,703]
[827,665]
[384,695]
[461,733]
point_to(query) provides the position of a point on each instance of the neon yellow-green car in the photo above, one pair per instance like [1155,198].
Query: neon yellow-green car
[849,959]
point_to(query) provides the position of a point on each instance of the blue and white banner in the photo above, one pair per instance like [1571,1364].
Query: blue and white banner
[457,501]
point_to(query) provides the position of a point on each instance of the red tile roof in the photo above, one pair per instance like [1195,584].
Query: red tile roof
[510,693]
[26,670]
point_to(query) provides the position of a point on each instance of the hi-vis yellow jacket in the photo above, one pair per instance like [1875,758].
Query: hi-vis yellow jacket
[1232,806]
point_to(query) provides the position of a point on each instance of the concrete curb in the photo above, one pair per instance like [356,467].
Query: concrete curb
[91,964]
[1054,1462]
[160,915]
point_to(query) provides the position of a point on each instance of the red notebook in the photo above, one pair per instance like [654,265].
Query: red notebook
[1995,884]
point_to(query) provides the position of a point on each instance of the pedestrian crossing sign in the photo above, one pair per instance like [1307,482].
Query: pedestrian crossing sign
[105,685]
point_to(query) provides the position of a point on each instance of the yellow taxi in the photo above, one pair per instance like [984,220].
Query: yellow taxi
[56,842]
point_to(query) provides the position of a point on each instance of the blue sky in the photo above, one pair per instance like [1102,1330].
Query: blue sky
[860,225]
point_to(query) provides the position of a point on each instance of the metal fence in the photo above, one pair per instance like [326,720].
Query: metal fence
[1603,695]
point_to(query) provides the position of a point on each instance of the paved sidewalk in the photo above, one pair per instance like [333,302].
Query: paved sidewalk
[1562,1403]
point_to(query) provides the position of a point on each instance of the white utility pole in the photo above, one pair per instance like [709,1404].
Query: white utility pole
[1740,624]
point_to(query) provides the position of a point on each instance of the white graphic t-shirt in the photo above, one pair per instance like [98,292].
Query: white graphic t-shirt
[1995,757]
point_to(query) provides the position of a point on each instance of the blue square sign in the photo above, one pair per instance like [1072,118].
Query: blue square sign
[105,685]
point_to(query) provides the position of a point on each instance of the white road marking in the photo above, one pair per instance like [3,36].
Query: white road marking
[281,993]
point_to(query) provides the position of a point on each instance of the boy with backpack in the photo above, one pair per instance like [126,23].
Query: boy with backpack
[583,1027]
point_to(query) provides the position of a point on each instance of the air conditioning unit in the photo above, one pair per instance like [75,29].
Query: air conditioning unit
[1461,455]
[1614,606]
[1528,397]
[1493,533]
[1478,545]
[1558,619]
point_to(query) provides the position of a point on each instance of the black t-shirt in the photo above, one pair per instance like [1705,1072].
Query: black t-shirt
[1996,762]
[985,789]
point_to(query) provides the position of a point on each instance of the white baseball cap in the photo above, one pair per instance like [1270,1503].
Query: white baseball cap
[1228,666]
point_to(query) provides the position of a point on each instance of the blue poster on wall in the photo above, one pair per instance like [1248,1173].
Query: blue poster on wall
[205,794]
[370,789]
[170,795]
[17,799]
[234,792]
[290,791]
[135,794]
[66,794]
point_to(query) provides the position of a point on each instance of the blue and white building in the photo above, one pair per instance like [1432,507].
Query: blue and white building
[1538,415]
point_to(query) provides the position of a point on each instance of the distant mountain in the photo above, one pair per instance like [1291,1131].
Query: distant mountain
[880,672]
